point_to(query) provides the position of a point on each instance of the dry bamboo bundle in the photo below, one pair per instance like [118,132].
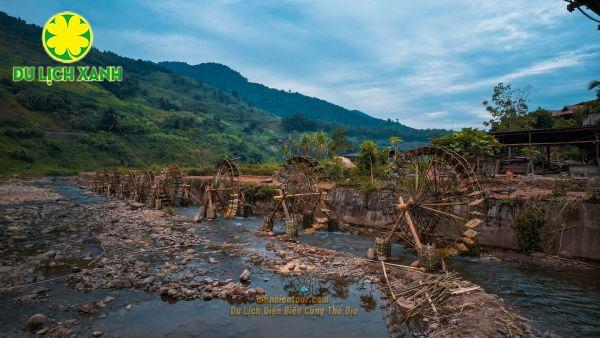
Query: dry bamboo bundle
[418,297]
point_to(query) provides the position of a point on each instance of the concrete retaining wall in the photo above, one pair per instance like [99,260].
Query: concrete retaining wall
[582,240]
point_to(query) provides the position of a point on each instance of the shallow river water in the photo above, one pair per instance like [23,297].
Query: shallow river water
[563,303]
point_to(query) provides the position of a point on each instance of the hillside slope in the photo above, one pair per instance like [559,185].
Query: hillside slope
[152,117]
[284,104]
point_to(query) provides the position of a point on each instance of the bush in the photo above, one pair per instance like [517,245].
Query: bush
[23,132]
[20,154]
[563,185]
[334,170]
[527,225]
[170,210]
[200,171]
[593,190]
[258,169]
[258,192]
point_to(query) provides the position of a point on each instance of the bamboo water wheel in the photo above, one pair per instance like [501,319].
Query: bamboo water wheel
[143,185]
[437,201]
[127,185]
[302,199]
[113,181]
[224,192]
[170,186]
[99,182]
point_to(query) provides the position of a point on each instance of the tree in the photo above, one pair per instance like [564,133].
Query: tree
[368,151]
[370,160]
[508,108]
[298,122]
[394,140]
[339,141]
[109,122]
[471,143]
[541,119]
[320,140]
[305,144]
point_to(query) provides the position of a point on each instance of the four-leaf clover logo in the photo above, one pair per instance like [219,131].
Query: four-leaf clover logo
[67,37]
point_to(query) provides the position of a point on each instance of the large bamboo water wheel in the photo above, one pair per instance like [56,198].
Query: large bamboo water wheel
[144,185]
[99,182]
[137,185]
[113,181]
[170,187]
[437,202]
[224,192]
[127,182]
[302,197]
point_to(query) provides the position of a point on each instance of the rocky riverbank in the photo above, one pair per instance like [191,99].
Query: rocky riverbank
[54,240]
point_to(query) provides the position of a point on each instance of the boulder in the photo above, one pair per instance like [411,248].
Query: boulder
[87,308]
[245,276]
[36,322]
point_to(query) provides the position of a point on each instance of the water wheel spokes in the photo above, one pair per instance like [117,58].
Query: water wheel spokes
[444,197]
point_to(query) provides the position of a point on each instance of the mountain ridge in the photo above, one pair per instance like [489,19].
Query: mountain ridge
[284,104]
[151,118]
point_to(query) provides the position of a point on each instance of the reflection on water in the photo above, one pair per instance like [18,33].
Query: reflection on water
[564,302]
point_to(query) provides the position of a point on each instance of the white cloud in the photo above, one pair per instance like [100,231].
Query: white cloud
[405,60]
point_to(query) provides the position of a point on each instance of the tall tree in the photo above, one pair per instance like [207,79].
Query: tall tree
[508,108]
[305,144]
[319,143]
[395,140]
[368,157]
[339,141]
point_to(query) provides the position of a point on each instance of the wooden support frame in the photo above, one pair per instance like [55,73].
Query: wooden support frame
[405,215]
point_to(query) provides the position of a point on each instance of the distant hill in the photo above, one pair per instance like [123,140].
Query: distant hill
[153,117]
[285,104]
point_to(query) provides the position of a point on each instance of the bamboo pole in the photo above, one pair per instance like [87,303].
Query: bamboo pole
[281,197]
[387,281]
[395,226]
[411,226]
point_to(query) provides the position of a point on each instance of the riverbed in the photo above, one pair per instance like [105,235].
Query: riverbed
[560,302]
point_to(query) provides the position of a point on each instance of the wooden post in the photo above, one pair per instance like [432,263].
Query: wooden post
[413,231]
[530,154]
[209,196]
[597,149]
[395,226]
[285,211]
[283,205]
[542,156]
[411,225]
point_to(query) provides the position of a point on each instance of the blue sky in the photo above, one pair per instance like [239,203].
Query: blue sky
[428,64]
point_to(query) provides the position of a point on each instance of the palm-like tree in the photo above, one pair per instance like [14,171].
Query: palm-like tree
[319,143]
[394,140]
[305,144]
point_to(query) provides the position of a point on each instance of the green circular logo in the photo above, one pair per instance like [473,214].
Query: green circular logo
[67,37]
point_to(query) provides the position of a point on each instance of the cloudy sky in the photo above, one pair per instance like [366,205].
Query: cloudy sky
[427,63]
